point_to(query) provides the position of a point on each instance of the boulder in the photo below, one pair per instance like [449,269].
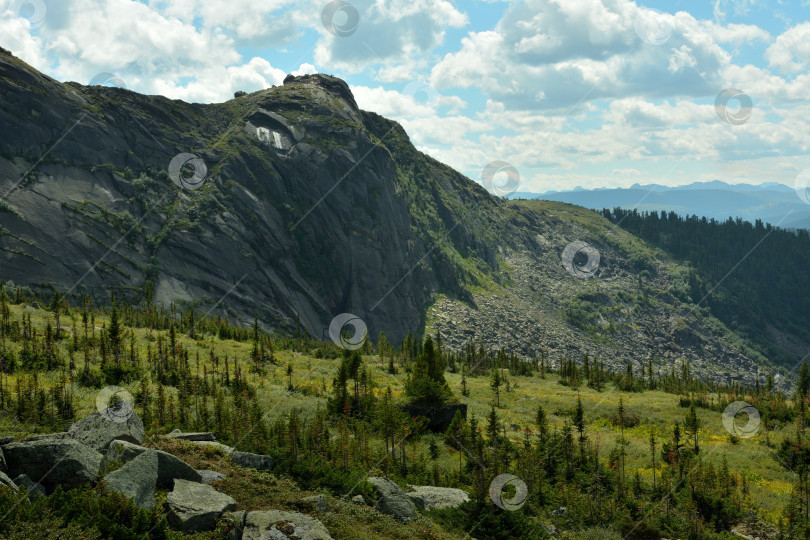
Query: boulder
[6,481]
[47,437]
[252,461]
[280,525]
[358,499]
[384,487]
[432,497]
[201,436]
[400,507]
[170,466]
[316,501]
[54,461]
[98,431]
[218,445]
[34,489]
[137,479]
[196,507]
[210,476]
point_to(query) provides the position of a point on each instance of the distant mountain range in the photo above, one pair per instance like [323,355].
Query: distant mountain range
[771,202]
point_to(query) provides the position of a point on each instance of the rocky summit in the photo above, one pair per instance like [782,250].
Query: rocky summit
[294,206]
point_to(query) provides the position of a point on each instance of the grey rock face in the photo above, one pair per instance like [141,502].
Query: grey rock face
[384,487]
[6,481]
[208,477]
[54,461]
[432,497]
[218,445]
[252,461]
[400,507]
[196,507]
[280,525]
[170,466]
[98,431]
[201,436]
[137,479]
[34,489]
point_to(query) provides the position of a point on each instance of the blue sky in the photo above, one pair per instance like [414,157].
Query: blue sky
[591,93]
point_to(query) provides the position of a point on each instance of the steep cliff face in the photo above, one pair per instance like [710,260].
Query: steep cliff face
[304,207]
[293,203]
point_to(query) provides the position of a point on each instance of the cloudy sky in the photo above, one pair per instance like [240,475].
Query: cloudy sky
[590,93]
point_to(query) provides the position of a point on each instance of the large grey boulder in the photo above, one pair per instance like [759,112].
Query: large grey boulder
[196,437]
[98,430]
[34,489]
[432,497]
[280,525]
[252,461]
[400,507]
[137,479]
[170,466]
[214,444]
[384,487]
[53,461]
[196,507]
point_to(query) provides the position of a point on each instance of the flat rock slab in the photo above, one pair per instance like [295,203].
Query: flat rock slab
[280,525]
[170,466]
[218,445]
[432,497]
[252,461]
[136,479]
[200,436]
[400,507]
[384,487]
[196,507]
[54,461]
[210,476]
[98,431]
